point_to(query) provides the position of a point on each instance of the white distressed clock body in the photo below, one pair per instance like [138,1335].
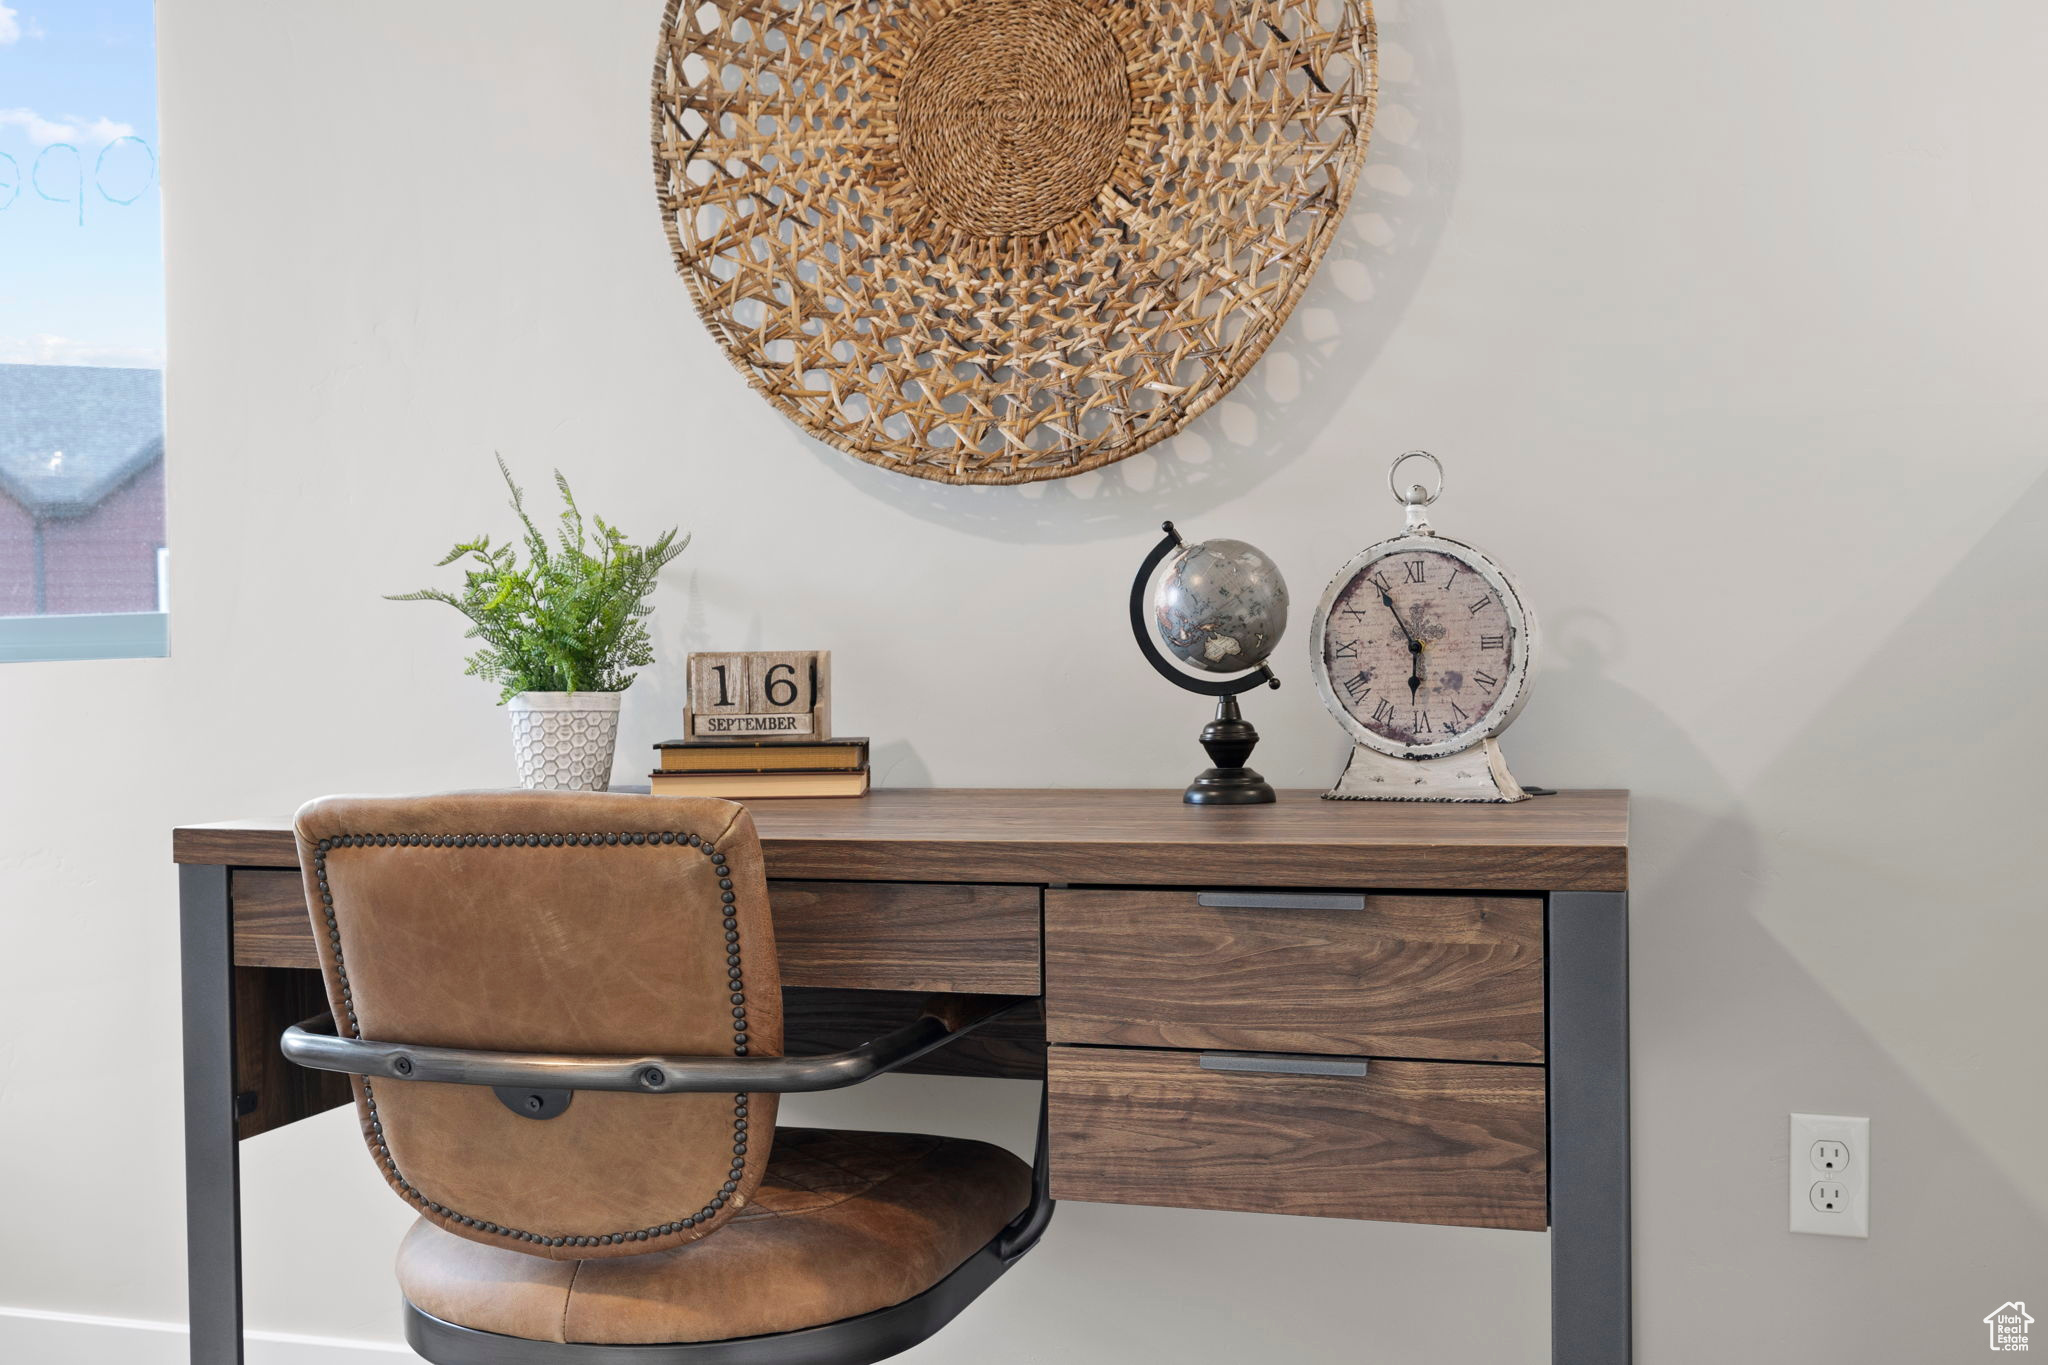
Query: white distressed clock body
[1421,648]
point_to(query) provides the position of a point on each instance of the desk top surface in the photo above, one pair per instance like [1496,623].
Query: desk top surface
[1573,841]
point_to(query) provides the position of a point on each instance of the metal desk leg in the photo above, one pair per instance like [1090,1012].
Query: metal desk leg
[1591,1304]
[213,1195]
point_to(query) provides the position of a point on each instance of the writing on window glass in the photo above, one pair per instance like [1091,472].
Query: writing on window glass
[120,173]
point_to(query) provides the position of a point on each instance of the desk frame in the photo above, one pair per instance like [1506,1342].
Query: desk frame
[1586,964]
[213,1157]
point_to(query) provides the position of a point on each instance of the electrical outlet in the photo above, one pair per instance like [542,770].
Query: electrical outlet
[1827,1196]
[1828,1170]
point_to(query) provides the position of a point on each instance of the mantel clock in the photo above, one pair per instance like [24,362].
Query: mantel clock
[1421,649]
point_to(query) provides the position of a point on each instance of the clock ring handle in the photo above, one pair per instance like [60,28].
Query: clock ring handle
[1208,687]
[1407,497]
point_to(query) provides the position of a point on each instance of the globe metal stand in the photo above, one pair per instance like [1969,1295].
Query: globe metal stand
[1229,738]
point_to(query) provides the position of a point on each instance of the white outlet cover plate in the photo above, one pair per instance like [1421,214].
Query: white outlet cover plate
[1853,1218]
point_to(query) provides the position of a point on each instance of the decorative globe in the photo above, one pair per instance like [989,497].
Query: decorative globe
[1220,606]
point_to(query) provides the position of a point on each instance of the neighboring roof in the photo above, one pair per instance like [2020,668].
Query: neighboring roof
[72,434]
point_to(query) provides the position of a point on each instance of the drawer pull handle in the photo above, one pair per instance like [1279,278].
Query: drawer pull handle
[1278,900]
[1276,1065]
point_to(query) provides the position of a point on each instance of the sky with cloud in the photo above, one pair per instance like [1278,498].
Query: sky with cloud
[81,256]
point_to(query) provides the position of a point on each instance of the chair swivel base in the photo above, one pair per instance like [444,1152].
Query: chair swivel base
[850,1341]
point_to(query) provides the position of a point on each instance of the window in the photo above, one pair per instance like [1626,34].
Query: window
[82,552]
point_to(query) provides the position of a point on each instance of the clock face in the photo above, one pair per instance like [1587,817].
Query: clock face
[1422,647]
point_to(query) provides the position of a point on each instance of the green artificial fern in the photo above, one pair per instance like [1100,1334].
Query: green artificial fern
[570,618]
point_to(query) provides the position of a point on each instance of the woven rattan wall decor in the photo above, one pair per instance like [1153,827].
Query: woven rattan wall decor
[996,241]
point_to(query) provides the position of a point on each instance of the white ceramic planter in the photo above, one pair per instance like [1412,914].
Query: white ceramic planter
[563,741]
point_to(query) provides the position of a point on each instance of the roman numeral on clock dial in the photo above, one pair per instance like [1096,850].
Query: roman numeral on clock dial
[1358,684]
[1344,649]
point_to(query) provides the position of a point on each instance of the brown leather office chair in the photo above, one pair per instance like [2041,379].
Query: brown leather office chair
[563,1016]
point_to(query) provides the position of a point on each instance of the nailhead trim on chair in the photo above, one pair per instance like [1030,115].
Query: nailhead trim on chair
[739,1014]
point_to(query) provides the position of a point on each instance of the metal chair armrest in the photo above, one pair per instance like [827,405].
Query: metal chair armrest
[315,1045]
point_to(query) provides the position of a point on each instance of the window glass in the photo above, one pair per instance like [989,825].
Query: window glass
[82,551]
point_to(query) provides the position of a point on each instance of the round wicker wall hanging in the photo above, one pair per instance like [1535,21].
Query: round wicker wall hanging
[996,241]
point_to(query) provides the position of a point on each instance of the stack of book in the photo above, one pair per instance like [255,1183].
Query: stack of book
[737,769]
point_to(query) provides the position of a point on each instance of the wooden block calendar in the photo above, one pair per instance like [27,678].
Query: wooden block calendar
[778,694]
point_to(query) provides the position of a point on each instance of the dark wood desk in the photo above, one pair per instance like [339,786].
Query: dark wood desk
[1405,1012]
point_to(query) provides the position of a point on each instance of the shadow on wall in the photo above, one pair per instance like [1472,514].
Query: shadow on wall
[1343,319]
[1875,870]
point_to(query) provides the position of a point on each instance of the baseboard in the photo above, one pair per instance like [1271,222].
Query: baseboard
[31,1337]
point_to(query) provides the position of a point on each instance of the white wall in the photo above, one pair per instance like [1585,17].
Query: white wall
[1728,322]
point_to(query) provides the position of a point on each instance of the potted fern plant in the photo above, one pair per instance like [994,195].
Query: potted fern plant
[563,634]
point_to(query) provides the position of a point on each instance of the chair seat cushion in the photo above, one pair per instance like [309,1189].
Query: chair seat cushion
[843,1223]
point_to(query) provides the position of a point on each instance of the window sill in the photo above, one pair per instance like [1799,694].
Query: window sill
[110,635]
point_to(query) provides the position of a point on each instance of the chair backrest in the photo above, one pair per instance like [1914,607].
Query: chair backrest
[552,922]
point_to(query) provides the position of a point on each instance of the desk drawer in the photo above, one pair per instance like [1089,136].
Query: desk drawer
[908,936]
[1447,977]
[1409,1142]
[272,928]
[898,936]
